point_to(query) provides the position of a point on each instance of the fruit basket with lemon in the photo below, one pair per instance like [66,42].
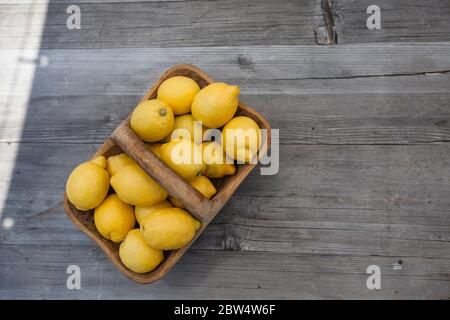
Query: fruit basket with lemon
[157,182]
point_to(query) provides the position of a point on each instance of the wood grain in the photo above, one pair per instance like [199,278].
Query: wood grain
[108,24]
[162,24]
[203,274]
[347,118]
[375,202]
[257,69]
[360,199]
[369,185]
[401,21]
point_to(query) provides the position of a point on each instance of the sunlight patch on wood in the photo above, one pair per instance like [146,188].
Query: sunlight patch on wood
[16,80]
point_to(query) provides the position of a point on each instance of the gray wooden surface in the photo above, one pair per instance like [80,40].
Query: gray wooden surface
[364,144]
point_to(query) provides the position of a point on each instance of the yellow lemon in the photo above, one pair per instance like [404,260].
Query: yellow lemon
[155,148]
[202,184]
[152,120]
[170,228]
[215,104]
[114,218]
[142,212]
[241,138]
[88,184]
[137,255]
[184,157]
[135,187]
[178,92]
[100,161]
[117,162]
[218,164]
[185,127]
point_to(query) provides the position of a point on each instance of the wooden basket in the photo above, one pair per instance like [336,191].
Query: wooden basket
[123,139]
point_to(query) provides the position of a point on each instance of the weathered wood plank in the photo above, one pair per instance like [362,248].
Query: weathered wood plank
[69,2]
[302,119]
[401,20]
[82,101]
[30,272]
[108,24]
[162,23]
[257,69]
[363,200]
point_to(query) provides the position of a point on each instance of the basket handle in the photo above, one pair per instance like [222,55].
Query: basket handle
[197,204]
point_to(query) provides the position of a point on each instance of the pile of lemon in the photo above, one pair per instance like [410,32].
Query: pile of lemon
[164,224]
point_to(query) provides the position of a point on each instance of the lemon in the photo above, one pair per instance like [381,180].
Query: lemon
[202,184]
[152,120]
[215,104]
[178,92]
[218,164]
[135,187]
[170,228]
[117,162]
[88,184]
[155,148]
[137,255]
[184,157]
[114,218]
[241,138]
[185,127]
[142,212]
[100,161]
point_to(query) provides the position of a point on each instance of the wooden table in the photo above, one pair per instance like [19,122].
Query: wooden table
[364,119]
